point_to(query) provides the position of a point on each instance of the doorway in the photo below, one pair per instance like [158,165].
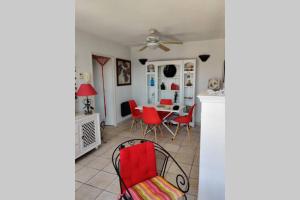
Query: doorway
[108,93]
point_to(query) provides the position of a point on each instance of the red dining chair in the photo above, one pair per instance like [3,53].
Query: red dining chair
[136,114]
[163,114]
[151,119]
[184,120]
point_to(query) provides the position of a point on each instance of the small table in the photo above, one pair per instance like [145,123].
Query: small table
[164,108]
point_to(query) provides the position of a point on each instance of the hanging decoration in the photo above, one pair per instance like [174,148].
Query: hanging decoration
[102,61]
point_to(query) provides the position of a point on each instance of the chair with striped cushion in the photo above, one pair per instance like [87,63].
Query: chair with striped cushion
[141,167]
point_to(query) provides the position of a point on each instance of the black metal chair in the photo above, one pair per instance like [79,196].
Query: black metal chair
[162,159]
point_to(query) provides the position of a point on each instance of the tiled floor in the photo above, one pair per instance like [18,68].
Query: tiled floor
[96,178]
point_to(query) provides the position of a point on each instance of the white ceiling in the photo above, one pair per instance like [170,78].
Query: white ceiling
[127,21]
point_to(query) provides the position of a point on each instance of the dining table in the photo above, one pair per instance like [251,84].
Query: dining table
[165,108]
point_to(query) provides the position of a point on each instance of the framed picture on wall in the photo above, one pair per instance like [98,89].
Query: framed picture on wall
[123,72]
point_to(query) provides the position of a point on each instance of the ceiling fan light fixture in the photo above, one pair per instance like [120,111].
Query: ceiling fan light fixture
[152,45]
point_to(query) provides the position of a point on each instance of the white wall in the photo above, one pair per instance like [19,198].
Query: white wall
[213,67]
[87,44]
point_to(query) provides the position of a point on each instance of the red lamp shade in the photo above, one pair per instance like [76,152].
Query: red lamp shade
[86,90]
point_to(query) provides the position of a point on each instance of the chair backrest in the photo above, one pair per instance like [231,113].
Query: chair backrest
[150,115]
[166,102]
[190,114]
[137,163]
[133,105]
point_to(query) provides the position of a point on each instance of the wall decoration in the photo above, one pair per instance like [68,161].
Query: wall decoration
[102,60]
[204,57]
[123,72]
[143,60]
[170,71]
[214,84]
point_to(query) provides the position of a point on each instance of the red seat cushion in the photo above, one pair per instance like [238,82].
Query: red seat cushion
[137,163]
[183,119]
[155,188]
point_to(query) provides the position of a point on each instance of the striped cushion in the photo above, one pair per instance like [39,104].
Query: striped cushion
[156,188]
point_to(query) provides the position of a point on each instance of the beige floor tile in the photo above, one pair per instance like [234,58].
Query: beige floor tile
[99,163]
[107,196]
[171,147]
[171,177]
[114,187]
[191,197]
[86,192]
[77,185]
[185,158]
[175,169]
[85,159]
[194,172]
[102,180]
[104,184]
[110,169]
[193,187]
[108,153]
[85,173]
[78,167]
[187,150]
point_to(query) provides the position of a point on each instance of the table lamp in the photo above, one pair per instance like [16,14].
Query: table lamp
[87,90]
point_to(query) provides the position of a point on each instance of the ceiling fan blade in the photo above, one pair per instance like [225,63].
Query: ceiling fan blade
[143,48]
[163,47]
[171,42]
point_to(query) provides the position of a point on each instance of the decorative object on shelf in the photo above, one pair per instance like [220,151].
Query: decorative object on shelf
[189,83]
[174,86]
[143,60]
[175,97]
[204,57]
[186,109]
[150,68]
[162,86]
[176,107]
[102,60]
[123,72]
[188,67]
[87,90]
[214,84]
[169,71]
[152,81]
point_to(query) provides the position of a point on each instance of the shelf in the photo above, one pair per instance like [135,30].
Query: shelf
[188,86]
[189,72]
[168,90]
[169,78]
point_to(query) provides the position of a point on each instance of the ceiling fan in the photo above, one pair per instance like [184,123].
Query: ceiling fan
[153,41]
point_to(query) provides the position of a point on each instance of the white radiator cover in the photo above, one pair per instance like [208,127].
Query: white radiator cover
[87,133]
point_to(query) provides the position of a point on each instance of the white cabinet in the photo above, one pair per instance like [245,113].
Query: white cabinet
[87,133]
[180,86]
[212,148]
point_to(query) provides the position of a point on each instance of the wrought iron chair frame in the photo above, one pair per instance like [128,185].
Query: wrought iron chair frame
[182,180]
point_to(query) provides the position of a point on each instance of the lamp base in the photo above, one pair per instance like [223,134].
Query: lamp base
[86,112]
[87,105]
